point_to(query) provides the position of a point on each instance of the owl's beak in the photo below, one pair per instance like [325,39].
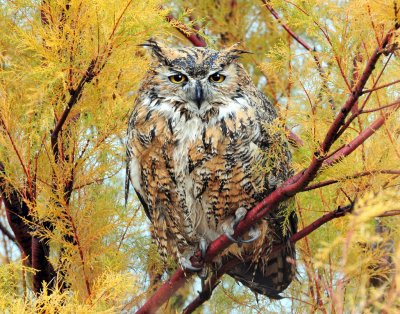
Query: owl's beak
[199,95]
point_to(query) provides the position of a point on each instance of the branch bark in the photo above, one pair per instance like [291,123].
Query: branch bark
[195,39]
[355,176]
[298,39]
[212,283]
[20,220]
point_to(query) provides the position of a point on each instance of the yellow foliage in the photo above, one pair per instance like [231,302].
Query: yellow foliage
[102,248]
[47,49]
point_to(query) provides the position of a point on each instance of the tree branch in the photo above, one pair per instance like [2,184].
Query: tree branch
[296,38]
[212,283]
[395,103]
[17,211]
[357,175]
[361,138]
[76,94]
[19,218]
[195,39]
[287,28]
[380,87]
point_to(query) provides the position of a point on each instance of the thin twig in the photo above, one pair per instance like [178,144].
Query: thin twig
[296,38]
[390,213]
[287,28]
[361,138]
[195,39]
[395,103]
[380,87]
[4,126]
[355,176]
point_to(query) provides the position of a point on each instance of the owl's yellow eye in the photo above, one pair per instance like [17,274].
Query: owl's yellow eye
[217,78]
[178,78]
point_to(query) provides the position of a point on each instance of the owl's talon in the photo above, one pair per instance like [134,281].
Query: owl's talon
[240,213]
[203,247]
[229,230]
[254,233]
[203,274]
[186,265]
[232,239]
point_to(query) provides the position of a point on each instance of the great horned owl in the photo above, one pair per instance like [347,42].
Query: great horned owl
[197,131]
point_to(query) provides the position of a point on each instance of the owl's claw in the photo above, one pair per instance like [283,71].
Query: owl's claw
[187,265]
[229,230]
[240,213]
[203,247]
[254,233]
[203,274]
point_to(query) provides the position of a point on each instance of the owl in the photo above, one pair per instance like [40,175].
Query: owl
[202,151]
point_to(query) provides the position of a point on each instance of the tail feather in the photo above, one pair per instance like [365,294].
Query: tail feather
[270,276]
[272,272]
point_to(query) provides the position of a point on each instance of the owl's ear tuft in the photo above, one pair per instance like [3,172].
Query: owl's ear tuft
[158,50]
[232,53]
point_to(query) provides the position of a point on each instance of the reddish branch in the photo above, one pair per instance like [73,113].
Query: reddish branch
[195,39]
[296,38]
[289,188]
[380,87]
[390,213]
[393,104]
[212,283]
[361,138]
[285,27]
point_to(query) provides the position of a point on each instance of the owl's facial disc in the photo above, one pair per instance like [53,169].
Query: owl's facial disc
[197,79]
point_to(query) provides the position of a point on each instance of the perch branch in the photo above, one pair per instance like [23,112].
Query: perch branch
[212,283]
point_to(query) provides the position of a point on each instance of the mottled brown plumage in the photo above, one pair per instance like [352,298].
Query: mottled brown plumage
[197,133]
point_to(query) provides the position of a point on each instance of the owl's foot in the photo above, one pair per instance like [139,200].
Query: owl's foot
[254,234]
[203,274]
[229,229]
[197,260]
[187,265]
[203,247]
